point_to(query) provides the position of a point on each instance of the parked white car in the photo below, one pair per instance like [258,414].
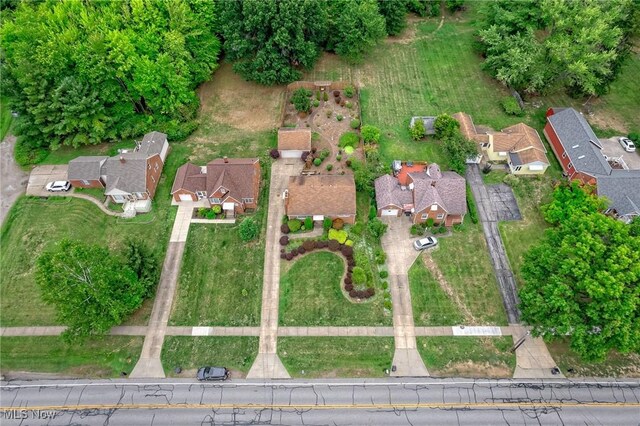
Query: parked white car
[58,186]
[627,144]
[425,243]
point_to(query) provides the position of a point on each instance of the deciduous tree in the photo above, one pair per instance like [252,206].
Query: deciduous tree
[395,15]
[356,27]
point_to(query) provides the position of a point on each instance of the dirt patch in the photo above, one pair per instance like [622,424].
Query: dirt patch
[437,274]
[473,369]
[229,99]
[606,119]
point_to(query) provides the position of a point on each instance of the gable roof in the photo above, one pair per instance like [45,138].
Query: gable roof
[236,175]
[389,192]
[622,188]
[294,139]
[126,173]
[191,178]
[448,191]
[579,142]
[86,167]
[152,143]
[326,195]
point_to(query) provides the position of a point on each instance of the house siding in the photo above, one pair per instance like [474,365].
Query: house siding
[431,214]
[558,150]
[153,175]
[493,156]
[94,183]
[526,171]
[349,219]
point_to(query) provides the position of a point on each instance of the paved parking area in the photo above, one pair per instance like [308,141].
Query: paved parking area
[41,175]
[612,148]
[504,202]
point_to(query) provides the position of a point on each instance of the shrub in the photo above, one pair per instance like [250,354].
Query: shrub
[511,180]
[349,91]
[283,255]
[338,235]
[336,93]
[384,274]
[370,134]
[377,228]
[357,228]
[274,153]
[217,209]
[309,245]
[417,130]
[304,155]
[25,154]
[289,256]
[385,285]
[329,167]
[329,113]
[348,162]
[346,251]
[294,252]
[294,225]
[373,212]
[317,95]
[454,5]
[359,276]
[634,136]
[314,150]
[324,154]
[381,257]
[348,286]
[349,139]
[302,250]
[349,150]
[473,213]
[443,229]
[325,96]
[486,168]
[338,100]
[284,240]
[387,305]
[300,100]
[339,117]
[308,223]
[511,106]
[317,162]
[353,294]
[338,157]
[202,211]
[284,228]
[342,102]
[415,230]
[370,292]
[338,223]
[326,224]
[354,123]
[316,103]
[446,126]
[210,214]
[334,245]
[429,222]
[348,104]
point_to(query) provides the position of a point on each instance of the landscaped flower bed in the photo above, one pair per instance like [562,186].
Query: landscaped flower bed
[215,212]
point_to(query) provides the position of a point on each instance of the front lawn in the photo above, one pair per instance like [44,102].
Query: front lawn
[94,358]
[191,353]
[311,295]
[468,356]
[315,357]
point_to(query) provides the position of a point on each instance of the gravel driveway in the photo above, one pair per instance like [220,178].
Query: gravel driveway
[13,179]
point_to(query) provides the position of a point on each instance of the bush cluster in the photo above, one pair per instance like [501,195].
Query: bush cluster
[471,205]
[294,225]
[308,223]
[338,235]
[284,240]
[349,91]
[349,139]
[511,106]
[274,153]
[338,223]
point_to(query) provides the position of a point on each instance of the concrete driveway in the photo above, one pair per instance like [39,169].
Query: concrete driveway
[13,179]
[612,148]
[396,243]
[41,175]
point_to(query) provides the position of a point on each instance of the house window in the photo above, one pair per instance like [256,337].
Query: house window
[156,167]
[518,168]
[149,166]
[139,195]
[215,200]
[424,216]
[153,179]
[502,154]
[247,200]
[570,165]
[485,145]
[564,155]
[440,216]
[85,182]
[201,194]
[434,207]
[118,198]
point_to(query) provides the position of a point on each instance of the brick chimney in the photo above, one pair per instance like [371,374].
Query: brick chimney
[225,159]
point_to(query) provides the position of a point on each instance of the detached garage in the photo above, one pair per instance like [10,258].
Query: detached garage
[293,142]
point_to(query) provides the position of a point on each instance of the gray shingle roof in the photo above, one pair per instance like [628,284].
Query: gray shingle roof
[152,143]
[389,192]
[86,168]
[622,188]
[128,175]
[580,143]
[449,191]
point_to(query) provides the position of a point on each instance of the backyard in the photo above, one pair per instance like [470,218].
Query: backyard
[326,357]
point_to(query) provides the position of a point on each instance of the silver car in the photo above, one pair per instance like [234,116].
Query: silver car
[627,144]
[425,243]
[58,186]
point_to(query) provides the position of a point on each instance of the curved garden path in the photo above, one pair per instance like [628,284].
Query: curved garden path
[96,202]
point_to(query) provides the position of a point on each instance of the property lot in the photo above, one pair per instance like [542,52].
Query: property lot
[504,202]
[41,175]
[612,148]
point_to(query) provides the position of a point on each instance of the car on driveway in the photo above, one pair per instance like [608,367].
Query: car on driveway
[58,186]
[425,243]
[627,144]
[212,373]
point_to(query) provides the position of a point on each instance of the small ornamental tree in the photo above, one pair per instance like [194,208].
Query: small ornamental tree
[446,126]
[417,130]
[358,276]
[248,229]
[301,101]
[370,134]
[458,149]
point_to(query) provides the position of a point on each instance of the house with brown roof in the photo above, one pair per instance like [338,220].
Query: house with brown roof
[422,192]
[320,197]
[131,175]
[293,142]
[231,183]
[519,146]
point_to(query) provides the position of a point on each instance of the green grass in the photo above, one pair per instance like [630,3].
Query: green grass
[336,356]
[105,357]
[34,226]
[311,295]
[615,365]
[190,353]
[463,259]
[6,118]
[467,356]
[97,193]
[431,305]
[494,176]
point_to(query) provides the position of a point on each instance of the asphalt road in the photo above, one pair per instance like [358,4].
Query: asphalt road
[353,402]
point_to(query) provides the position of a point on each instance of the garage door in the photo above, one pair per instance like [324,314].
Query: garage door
[290,154]
[389,212]
[186,197]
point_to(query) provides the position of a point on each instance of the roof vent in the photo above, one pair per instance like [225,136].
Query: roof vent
[581,157]
[225,159]
[575,146]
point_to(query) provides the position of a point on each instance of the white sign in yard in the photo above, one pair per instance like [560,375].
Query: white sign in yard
[200,331]
[476,331]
